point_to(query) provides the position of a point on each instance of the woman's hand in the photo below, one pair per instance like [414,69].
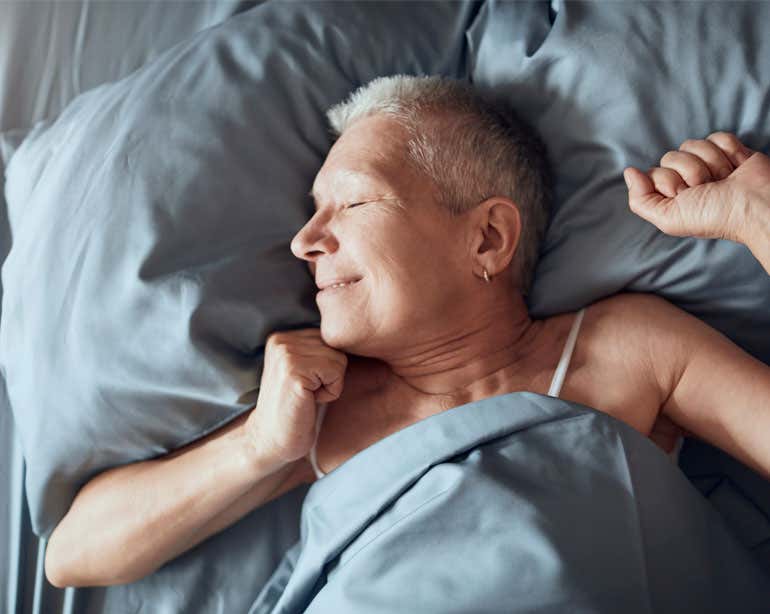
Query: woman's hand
[710,188]
[300,371]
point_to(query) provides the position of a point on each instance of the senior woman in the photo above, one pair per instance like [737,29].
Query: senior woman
[430,208]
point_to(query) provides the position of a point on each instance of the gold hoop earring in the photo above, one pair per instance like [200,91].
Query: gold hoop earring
[486,276]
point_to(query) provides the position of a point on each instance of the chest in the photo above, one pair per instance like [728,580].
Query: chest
[603,373]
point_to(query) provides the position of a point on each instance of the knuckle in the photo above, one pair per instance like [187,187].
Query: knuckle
[726,140]
[279,350]
[669,157]
[722,135]
[688,144]
[297,387]
[667,176]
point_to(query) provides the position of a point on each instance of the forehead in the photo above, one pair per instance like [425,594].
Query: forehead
[368,155]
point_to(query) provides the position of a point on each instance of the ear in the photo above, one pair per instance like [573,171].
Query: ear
[496,232]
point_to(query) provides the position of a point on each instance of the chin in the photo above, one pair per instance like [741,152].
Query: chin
[337,336]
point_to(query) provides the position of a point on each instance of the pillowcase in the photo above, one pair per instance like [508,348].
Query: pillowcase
[151,225]
[614,88]
[608,89]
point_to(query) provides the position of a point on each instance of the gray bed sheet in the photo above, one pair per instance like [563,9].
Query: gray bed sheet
[50,52]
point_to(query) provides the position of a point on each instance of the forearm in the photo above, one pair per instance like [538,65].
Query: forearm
[129,521]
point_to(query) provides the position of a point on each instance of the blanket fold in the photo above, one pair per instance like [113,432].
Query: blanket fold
[515,503]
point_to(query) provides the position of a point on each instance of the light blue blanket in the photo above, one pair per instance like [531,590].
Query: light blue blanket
[515,503]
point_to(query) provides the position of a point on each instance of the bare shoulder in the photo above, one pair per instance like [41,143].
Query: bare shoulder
[623,372]
[653,325]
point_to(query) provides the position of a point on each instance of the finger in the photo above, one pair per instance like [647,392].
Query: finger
[639,184]
[330,391]
[328,378]
[305,332]
[734,149]
[319,355]
[692,169]
[718,163]
[281,336]
[645,201]
[667,182]
[306,337]
[641,189]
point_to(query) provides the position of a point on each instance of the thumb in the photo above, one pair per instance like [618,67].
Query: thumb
[645,201]
[637,182]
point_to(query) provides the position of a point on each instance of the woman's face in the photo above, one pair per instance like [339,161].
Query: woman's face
[377,222]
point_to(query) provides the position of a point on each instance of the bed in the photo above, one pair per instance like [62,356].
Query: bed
[605,86]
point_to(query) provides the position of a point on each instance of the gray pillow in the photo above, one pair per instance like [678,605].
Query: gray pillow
[151,225]
[610,88]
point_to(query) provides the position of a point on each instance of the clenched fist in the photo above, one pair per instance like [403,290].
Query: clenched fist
[299,371]
[709,188]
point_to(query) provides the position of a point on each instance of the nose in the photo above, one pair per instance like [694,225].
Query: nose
[311,242]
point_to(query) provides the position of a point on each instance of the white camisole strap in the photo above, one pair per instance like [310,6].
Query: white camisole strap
[313,453]
[558,380]
[566,355]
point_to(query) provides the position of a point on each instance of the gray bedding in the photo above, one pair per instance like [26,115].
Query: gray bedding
[50,52]
[197,166]
[516,503]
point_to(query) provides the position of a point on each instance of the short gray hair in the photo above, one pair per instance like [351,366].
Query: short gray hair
[474,148]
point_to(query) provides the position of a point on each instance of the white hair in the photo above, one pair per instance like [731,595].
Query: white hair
[473,148]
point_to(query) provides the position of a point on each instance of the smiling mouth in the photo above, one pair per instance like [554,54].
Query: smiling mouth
[338,287]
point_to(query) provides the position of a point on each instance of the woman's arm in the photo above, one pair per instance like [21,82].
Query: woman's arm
[707,384]
[128,521]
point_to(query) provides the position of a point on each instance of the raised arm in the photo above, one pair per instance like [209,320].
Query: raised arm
[708,385]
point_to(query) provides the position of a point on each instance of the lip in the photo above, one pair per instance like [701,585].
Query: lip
[327,286]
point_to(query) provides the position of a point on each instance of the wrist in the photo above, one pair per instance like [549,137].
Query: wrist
[755,224]
[757,233]
[257,459]
[759,224]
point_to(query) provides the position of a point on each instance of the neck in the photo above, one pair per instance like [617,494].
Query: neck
[474,358]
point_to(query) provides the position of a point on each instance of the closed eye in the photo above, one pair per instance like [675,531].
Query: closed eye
[356,204]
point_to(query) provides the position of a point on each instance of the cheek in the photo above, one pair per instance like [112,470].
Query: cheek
[397,253]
